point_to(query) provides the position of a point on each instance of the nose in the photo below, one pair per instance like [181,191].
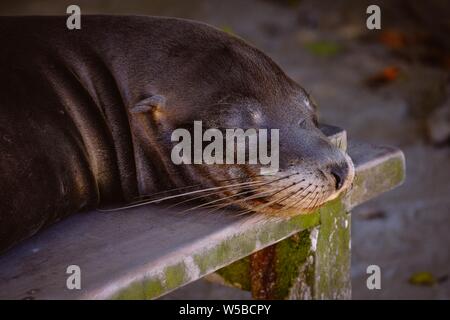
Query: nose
[339,172]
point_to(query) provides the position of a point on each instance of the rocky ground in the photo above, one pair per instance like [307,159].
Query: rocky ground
[389,91]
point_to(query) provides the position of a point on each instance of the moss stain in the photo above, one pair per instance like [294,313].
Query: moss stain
[153,287]
[175,276]
[290,255]
[237,274]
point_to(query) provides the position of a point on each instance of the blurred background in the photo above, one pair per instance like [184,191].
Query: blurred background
[388,86]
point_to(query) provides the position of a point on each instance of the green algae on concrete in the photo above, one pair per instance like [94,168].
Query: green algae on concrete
[231,249]
[175,276]
[152,287]
[135,291]
[237,274]
[290,255]
[276,231]
[141,290]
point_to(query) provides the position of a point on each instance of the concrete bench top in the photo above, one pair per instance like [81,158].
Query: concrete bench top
[149,251]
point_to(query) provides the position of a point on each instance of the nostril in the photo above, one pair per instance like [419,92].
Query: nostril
[339,173]
[338,180]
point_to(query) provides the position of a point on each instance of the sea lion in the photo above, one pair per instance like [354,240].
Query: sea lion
[86,118]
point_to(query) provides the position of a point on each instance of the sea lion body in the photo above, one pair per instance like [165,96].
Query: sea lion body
[70,141]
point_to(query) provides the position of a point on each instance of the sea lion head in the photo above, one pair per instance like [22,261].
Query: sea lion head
[209,76]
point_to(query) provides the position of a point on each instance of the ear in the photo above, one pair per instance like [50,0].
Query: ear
[148,104]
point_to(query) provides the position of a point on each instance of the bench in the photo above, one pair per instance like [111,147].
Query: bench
[146,252]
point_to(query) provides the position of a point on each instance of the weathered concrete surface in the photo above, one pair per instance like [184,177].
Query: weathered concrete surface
[380,169]
[138,253]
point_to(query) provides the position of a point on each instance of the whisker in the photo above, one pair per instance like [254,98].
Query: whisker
[235,195]
[207,195]
[312,199]
[296,192]
[301,197]
[269,193]
[279,200]
[320,200]
[256,209]
[134,205]
[227,203]
[251,197]
[194,186]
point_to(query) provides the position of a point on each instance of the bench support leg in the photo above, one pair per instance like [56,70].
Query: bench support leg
[312,264]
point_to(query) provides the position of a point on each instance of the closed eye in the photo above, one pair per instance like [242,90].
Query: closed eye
[302,123]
